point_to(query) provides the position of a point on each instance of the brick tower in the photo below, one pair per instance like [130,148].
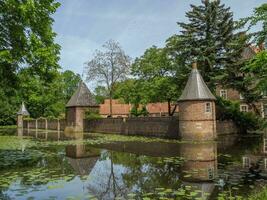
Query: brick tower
[197,120]
[20,114]
[80,101]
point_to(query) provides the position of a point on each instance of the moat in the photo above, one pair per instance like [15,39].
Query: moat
[50,165]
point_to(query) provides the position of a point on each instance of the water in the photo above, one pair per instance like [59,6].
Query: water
[51,165]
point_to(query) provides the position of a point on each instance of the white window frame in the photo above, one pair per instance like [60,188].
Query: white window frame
[246,162]
[241,97]
[241,108]
[223,94]
[208,107]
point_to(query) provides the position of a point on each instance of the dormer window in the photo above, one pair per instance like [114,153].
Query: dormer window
[223,94]
[208,107]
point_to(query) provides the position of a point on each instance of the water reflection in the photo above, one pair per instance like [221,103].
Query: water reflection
[109,170]
[82,159]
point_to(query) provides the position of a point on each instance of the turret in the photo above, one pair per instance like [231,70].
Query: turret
[80,101]
[197,120]
[20,114]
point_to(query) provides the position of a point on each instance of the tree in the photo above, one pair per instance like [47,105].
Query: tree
[108,67]
[70,82]
[259,17]
[101,93]
[26,41]
[204,38]
[158,77]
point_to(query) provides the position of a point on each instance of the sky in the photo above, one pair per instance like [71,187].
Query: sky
[82,26]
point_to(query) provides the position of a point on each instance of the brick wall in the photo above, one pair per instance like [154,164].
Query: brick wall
[166,127]
[146,126]
[195,123]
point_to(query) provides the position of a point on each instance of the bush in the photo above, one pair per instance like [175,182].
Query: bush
[136,113]
[92,114]
[245,121]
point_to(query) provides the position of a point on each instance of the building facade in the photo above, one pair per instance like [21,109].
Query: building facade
[231,94]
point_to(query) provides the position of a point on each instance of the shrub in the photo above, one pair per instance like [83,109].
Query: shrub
[245,121]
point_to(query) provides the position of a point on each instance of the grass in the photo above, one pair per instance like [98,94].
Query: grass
[259,196]
[8,126]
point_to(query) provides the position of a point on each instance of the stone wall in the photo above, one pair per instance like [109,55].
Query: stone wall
[165,127]
[146,126]
[226,127]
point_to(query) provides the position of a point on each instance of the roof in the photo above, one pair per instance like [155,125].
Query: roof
[82,97]
[196,88]
[82,166]
[249,52]
[23,110]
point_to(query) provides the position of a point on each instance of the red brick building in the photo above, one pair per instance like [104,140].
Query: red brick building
[231,94]
[123,110]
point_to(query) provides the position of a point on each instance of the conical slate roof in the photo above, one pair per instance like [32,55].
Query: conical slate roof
[196,88]
[82,97]
[23,110]
[82,166]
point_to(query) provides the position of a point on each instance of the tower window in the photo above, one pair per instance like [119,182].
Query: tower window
[208,107]
[223,94]
[244,108]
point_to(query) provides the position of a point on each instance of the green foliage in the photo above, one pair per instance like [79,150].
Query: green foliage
[136,112]
[205,38]
[70,82]
[259,17]
[92,114]
[256,70]
[156,78]
[101,93]
[229,110]
[26,42]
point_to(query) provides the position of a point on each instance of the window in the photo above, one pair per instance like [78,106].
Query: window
[208,107]
[210,173]
[246,162]
[241,96]
[223,94]
[244,108]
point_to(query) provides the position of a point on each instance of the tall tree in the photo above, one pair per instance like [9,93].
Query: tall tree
[204,38]
[109,66]
[158,76]
[26,40]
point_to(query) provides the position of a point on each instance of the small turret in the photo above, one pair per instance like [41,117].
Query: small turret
[197,119]
[20,114]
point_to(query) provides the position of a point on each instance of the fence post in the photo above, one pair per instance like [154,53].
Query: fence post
[45,123]
[36,128]
[28,127]
[58,129]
